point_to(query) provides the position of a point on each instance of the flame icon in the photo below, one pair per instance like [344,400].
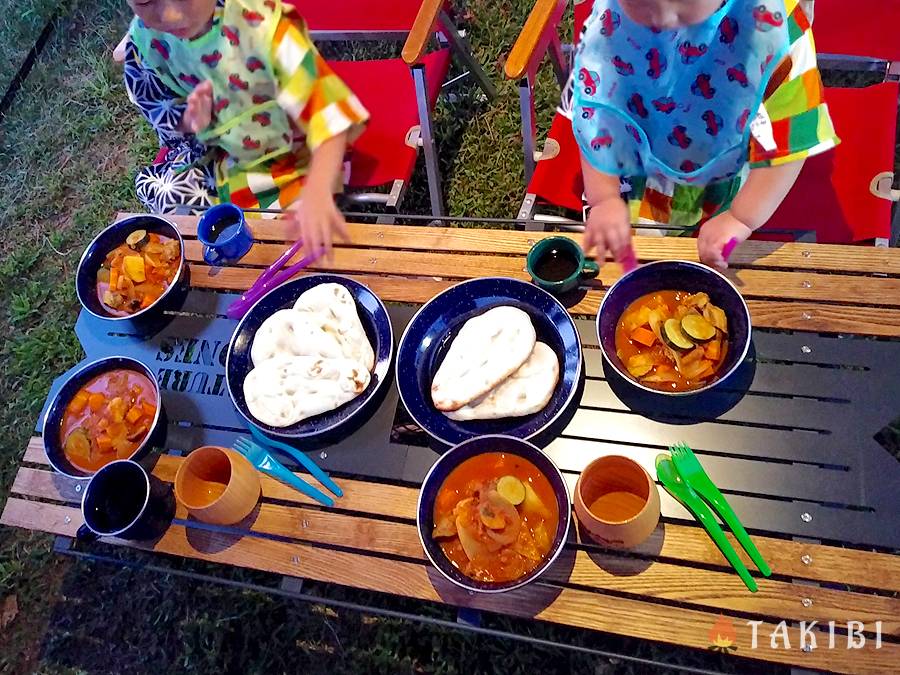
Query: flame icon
[722,635]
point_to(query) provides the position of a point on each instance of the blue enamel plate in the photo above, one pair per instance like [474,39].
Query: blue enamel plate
[428,337]
[375,321]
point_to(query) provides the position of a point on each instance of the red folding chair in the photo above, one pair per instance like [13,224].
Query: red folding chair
[844,195]
[400,94]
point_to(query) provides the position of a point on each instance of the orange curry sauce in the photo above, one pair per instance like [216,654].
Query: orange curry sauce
[108,419]
[539,517]
[669,301]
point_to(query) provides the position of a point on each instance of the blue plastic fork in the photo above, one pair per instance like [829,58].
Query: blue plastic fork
[259,457]
[301,457]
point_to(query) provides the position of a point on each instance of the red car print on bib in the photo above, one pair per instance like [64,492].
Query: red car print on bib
[221,104]
[212,60]
[161,48]
[687,166]
[742,120]
[254,64]
[270,4]
[250,144]
[609,21]
[766,20]
[232,35]
[738,73]
[728,31]
[702,87]
[713,122]
[679,137]
[666,104]
[589,79]
[622,66]
[691,52]
[636,106]
[263,119]
[235,83]
[634,133]
[259,99]
[251,17]
[602,140]
[588,113]
[656,64]
[191,80]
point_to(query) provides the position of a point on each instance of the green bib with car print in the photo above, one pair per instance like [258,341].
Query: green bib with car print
[235,55]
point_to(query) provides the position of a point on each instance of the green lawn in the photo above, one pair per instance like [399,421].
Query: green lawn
[69,148]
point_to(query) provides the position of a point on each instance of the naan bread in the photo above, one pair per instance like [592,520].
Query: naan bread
[332,307]
[287,389]
[291,333]
[526,391]
[488,349]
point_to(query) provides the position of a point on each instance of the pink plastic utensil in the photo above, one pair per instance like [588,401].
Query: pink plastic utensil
[272,277]
[629,261]
[728,248]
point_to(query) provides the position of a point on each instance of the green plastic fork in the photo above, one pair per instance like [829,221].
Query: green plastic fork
[684,493]
[694,474]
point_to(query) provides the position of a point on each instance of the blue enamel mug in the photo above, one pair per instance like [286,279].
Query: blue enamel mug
[224,233]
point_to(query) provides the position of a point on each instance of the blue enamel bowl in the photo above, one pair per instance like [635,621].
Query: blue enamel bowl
[452,459]
[434,327]
[675,275]
[53,418]
[375,321]
[94,255]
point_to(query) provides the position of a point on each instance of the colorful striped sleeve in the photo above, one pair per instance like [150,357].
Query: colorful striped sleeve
[309,91]
[795,101]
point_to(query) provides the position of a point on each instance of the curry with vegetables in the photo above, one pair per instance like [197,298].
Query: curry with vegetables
[108,418]
[495,517]
[136,274]
[672,340]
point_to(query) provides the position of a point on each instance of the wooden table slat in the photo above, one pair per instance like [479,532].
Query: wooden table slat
[680,543]
[761,254]
[624,616]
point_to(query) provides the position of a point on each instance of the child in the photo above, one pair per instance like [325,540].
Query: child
[246,109]
[704,110]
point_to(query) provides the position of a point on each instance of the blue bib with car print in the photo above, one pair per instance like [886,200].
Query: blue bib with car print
[675,103]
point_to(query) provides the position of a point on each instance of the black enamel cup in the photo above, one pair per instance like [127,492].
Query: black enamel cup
[123,500]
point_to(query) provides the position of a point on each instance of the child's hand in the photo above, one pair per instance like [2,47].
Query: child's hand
[198,115]
[717,232]
[609,227]
[316,218]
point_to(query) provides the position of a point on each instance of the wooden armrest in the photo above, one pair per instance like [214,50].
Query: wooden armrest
[544,17]
[420,33]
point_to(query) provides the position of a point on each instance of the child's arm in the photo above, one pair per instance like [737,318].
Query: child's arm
[759,197]
[316,213]
[608,226]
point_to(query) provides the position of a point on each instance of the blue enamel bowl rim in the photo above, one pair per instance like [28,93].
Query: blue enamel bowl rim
[539,290]
[701,268]
[323,277]
[121,225]
[57,405]
[564,514]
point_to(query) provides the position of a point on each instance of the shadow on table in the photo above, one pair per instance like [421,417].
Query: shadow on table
[212,539]
[691,409]
[623,563]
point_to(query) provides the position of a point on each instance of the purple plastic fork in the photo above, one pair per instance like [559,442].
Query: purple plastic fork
[272,277]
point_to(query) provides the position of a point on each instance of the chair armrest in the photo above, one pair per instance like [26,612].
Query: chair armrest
[421,31]
[540,27]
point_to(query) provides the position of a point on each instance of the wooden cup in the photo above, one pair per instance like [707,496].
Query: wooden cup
[628,510]
[217,485]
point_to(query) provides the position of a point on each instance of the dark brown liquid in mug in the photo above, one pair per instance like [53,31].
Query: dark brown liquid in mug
[556,265]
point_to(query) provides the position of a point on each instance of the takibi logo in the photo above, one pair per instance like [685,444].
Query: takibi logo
[722,636]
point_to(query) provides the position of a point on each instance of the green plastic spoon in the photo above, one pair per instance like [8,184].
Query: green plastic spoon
[684,493]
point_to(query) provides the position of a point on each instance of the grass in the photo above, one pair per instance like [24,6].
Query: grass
[69,148]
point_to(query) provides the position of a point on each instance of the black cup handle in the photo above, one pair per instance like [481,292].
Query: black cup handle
[86,534]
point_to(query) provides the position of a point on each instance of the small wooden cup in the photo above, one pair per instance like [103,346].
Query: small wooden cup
[217,485]
[629,502]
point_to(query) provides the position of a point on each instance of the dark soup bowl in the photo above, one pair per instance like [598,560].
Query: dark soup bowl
[675,275]
[147,318]
[495,455]
[67,412]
